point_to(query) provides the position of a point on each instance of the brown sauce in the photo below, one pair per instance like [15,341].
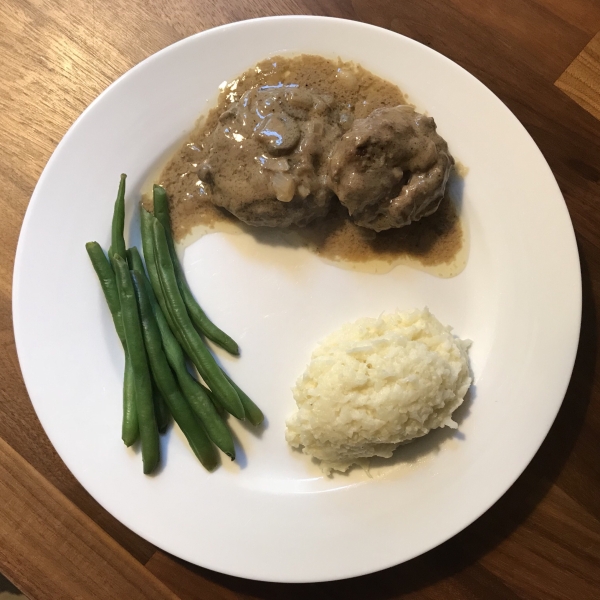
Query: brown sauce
[437,244]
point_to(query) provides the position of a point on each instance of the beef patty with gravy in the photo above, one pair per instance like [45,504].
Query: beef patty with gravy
[391,168]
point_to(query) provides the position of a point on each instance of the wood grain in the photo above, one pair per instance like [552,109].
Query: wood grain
[581,79]
[542,539]
[40,527]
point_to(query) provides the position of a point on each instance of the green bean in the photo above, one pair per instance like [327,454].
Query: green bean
[129,426]
[147,221]
[130,259]
[117,245]
[108,284]
[197,315]
[203,407]
[139,364]
[185,332]
[161,411]
[194,392]
[180,410]
[163,417]
[134,260]
[253,413]
[218,407]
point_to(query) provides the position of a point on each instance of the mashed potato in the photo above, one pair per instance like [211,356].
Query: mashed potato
[375,384]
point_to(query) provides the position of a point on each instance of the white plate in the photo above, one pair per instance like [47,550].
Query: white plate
[273,516]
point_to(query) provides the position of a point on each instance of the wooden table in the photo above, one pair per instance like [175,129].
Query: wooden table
[542,58]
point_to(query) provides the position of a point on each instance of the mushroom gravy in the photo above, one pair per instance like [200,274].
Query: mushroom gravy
[436,244]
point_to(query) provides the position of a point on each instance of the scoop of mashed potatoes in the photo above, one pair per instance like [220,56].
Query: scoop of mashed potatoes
[375,384]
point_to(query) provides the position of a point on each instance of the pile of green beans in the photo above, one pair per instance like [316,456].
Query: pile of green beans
[161,326]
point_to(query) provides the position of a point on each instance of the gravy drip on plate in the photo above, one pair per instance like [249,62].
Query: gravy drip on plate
[436,243]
